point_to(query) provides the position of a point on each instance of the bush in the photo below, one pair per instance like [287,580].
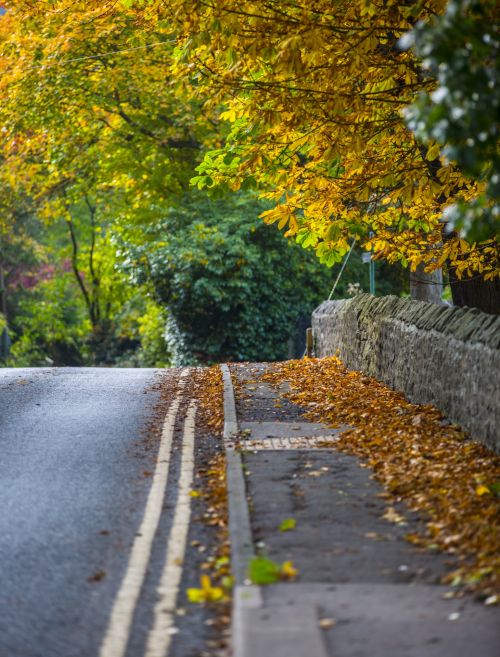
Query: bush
[234,287]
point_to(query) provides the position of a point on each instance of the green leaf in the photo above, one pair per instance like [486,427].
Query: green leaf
[263,571]
[288,524]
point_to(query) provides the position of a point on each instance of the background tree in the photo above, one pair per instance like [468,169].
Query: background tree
[103,140]
[99,144]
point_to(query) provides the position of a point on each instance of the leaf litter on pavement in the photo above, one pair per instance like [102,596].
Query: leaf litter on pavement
[431,465]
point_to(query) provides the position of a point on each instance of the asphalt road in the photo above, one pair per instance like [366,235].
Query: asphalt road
[76,464]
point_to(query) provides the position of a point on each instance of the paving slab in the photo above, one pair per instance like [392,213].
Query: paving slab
[340,533]
[387,620]
[279,631]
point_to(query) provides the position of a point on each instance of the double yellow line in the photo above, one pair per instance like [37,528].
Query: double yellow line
[117,634]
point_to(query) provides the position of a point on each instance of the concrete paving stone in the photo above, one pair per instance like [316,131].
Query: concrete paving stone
[338,520]
[277,631]
[393,620]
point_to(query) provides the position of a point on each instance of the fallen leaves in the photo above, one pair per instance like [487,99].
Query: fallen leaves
[210,395]
[207,592]
[210,497]
[431,465]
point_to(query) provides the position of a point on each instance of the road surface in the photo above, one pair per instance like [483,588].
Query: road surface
[87,512]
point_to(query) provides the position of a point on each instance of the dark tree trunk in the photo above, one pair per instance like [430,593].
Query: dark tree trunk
[475,292]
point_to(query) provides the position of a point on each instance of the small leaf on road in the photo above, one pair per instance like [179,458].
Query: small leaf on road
[206,592]
[393,516]
[327,623]
[97,577]
[288,524]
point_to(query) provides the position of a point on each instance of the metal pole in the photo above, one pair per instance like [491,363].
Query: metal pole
[372,277]
[372,273]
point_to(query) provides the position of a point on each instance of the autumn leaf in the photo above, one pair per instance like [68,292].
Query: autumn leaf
[263,571]
[206,593]
[392,516]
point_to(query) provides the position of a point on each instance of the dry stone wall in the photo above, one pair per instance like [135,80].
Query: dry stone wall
[446,356]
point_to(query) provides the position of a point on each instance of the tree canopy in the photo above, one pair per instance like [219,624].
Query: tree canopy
[315,93]
[101,140]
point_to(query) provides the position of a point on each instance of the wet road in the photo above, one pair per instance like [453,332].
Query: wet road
[76,467]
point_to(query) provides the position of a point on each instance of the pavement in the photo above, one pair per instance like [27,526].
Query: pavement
[362,590]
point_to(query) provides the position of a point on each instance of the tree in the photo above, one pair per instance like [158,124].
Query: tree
[461,50]
[104,142]
[97,141]
[314,93]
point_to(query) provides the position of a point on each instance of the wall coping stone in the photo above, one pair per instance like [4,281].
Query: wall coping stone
[465,324]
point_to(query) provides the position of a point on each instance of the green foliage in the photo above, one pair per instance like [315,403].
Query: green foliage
[50,326]
[461,49]
[143,321]
[234,288]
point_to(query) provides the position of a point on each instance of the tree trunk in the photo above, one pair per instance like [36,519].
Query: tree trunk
[475,292]
[425,286]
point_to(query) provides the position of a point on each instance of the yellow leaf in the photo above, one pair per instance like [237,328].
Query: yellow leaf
[288,571]
[482,490]
[206,592]
[433,152]
[392,516]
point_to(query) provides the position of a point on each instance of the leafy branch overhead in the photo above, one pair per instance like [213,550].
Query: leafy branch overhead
[315,97]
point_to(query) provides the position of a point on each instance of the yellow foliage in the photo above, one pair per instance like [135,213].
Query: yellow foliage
[311,93]
[318,89]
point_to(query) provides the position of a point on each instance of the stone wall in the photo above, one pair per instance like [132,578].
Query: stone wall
[446,356]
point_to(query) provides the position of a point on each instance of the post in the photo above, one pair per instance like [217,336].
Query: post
[372,277]
[309,342]
[372,272]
